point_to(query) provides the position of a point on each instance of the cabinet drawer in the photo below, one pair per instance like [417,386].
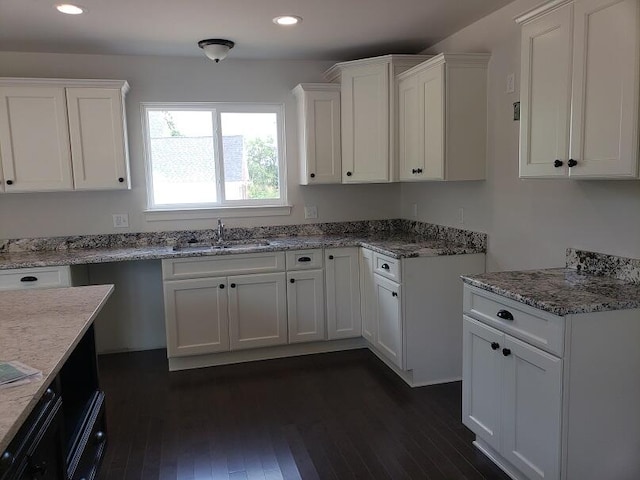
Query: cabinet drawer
[40,277]
[304,259]
[533,326]
[387,267]
[220,265]
[87,458]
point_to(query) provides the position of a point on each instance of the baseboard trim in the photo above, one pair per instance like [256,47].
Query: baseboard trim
[496,458]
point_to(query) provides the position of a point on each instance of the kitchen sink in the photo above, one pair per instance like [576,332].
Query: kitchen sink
[230,245]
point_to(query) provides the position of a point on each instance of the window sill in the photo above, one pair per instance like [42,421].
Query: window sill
[221,212]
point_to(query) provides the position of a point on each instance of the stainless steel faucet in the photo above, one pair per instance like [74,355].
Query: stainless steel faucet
[220,231]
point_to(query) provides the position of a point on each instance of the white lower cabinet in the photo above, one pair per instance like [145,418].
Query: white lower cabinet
[305,306]
[511,398]
[388,333]
[552,397]
[257,310]
[343,293]
[197,317]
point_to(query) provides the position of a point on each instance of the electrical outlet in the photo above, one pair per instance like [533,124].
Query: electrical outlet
[461,216]
[120,220]
[310,211]
[511,83]
[414,210]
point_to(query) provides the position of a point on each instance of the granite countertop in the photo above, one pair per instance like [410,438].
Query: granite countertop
[395,246]
[41,328]
[561,291]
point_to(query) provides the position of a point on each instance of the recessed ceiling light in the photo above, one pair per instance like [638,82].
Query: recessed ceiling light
[287,20]
[70,9]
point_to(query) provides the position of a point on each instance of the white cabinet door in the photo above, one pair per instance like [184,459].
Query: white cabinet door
[196,316]
[98,149]
[257,310]
[367,295]
[431,96]
[604,129]
[34,139]
[343,293]
[319,133]
[410,154]
[365,124]
[531,409]
[388,337]
[305,306]
[482,380]
[545,98]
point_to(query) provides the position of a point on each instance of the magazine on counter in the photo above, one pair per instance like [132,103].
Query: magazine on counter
[15,373]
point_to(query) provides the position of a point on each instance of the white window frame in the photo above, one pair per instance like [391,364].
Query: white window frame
[243,207]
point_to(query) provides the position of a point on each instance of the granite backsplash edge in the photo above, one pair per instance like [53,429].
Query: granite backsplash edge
[594,263]
[363,228]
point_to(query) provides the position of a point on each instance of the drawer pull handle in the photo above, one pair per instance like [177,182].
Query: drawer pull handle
[506,352]
[384,266]
[100,437]
[495,345]
[304,259]
[505,315]
[394,294]
[330,257]
[29,279]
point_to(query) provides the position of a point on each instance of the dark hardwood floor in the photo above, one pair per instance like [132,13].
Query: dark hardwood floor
[328,417]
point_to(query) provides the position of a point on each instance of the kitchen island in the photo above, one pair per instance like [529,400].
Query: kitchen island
[52,331]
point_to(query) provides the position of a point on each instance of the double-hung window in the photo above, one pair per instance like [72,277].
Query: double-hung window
[210,155]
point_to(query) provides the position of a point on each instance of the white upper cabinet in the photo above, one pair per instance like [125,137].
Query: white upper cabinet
[98,140]
[319,133]
[545,99]
[443,118]
[580,89]
[58,135]
[369,116]
[34,139]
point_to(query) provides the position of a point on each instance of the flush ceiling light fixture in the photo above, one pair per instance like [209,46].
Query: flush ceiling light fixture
[287,20]
[216,48]
[70,9]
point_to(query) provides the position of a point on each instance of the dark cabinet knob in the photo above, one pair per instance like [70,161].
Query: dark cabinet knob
[222,285]
[384,266]
[313,175]
[293,280]
[99,437]
[304,259]
[418,170]
[505,315]
[330,257]
[506,352]
[28,279]
[572,162]
[49,394]
[6,460]
[121,180]
[9,182]
[495,345]
[233,285]
[394,294]
[414,171]
[558,163]
[349,174]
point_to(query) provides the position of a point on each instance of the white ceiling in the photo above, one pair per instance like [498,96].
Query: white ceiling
[331,29]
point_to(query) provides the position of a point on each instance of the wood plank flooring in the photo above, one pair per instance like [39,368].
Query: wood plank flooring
[326,417]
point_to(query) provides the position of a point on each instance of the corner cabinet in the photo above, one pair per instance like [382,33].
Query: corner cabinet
[319,133]
[369,116]
[579,89]
[80,130]
[538,391]
[344,318]
[442,113]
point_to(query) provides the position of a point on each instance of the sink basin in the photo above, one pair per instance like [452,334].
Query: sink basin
[231,245]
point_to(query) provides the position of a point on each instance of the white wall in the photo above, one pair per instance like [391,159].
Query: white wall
[530,223]
[180,79]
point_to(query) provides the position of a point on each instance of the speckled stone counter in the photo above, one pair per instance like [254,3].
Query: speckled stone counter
[397,239]
[41,328]
[571,290]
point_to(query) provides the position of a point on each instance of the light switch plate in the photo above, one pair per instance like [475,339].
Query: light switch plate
[120,220]
[511,83]
[310,211]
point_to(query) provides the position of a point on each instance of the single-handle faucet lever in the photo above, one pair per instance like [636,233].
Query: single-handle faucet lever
[220,231]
